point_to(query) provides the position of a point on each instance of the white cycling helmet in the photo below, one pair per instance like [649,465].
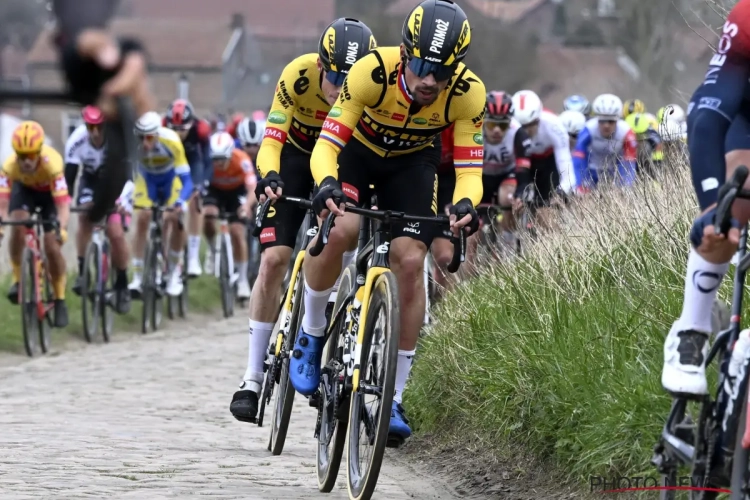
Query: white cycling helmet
[250,132]
[671,131]
[674,113]
[148,124]
[222,145]
[527,107]
[573,121]
[607,106]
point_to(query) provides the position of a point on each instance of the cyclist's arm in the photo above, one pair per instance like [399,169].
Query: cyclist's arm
[581,156]
[467,112]
[284,104]
[359,91]
[60,195]
[72,160]
[626,165]
[563,159]
[204,138]
[181,168]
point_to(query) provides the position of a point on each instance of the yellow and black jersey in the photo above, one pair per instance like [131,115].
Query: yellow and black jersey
[376,108]
[297,114]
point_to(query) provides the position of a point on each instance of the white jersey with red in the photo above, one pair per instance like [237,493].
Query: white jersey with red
[551,141]
[503,158]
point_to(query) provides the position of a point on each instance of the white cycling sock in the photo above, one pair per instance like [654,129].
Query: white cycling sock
[174,259]
[259,336]
[403,367]
[702,283]
[314,321]
[137,265]
[242,270]
[345,261]
[194,245]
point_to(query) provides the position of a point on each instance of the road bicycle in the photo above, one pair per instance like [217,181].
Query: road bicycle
[34,289]
[155,269]
[715,447]
[359,359]
[98,281]
[224,264]
[287,326]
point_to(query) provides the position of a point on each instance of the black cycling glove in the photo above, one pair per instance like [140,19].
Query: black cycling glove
[463,208]
[272,180]
[328,189]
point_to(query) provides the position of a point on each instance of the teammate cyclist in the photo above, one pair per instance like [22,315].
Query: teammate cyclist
[164,179]
[33,177]
[232,179]
[606,147]
[194,134]
[718,121]
[574,122]
[393,105]
[85,147]
[308,86]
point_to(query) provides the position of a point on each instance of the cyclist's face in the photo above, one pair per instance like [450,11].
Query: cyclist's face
[252,151]
[494,132]
[182,130]
[424,90]
[28,162]
[220,163]
[532,128]
[607,127]
[96,135]
[148,142]
[330,90]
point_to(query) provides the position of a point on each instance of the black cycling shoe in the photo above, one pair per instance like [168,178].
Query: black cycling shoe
[13,293]
[61,313]
[78,285]
[244,406]
[122,300]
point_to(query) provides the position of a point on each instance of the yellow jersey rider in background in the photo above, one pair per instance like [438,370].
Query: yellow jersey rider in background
[34,177]
[645,126]
[393,105]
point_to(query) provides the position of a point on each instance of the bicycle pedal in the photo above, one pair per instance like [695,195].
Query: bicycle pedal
[394,441]
[314,399]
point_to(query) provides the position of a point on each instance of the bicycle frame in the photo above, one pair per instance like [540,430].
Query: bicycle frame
[32,242]
[225,237]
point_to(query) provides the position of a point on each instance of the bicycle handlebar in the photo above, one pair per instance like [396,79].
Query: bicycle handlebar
[33,222]
[459,243]
[161,209]
[728,193]
[85,210]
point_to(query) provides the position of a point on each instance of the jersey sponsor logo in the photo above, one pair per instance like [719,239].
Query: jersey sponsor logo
[415,25]
[350,191]
[438,38]
[463,39]
[345,95]
[282,95]
[477,120]
[435,117]
[707,102]
[335,112]
[268,235]
[337,129]
[351,52]
[320,115]
[303,136]
[277,117]
[301,84]
[60,184]
[398,117]
[275,134]
[468,152]
[729,31]
[478,139]
[420,121]
[331,36]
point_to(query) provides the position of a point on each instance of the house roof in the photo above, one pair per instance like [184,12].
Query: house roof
[275,18]
[505,10]
[170,42]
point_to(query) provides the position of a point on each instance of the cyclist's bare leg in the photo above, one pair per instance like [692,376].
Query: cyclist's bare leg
[56,264]
[142,220]
[176,237]
[194,226]
[16,243]
[118,243]
[407,262]
[239,245]
[504,200]
[442,254]
[209,225]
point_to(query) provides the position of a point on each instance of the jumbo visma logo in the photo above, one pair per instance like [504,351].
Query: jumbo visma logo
[415,23]
[331,37]
[478,139]
[277,117]
[420,121]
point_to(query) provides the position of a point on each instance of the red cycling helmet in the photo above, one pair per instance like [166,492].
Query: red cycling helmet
[92,115]
[180,114]
[232,127]
[499,106]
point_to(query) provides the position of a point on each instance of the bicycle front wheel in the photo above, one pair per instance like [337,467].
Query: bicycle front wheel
[148,289]
[182,305]
[90,297]
[107,280]
[225,274]
[29,319]
[370,409]
[46,321]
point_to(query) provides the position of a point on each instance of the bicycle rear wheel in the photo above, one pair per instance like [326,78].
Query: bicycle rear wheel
[182,303]
[333,394]
[368,426]
[148,289]
[157,308]
[740,472]
[90,297]
[225,274]
[106,287]
[282,407]
[46,322]
[29,318]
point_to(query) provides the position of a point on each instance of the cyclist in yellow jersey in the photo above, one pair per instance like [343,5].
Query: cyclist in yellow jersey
[34,177]
[308,86]
[393,106]
[163,178]
[650,147]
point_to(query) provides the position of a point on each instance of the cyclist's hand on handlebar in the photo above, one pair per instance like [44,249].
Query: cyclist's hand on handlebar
[270,186]
[329,198]
[464,216]
[180,206]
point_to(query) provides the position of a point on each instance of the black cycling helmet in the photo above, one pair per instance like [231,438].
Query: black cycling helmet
[437,31]
[343,43]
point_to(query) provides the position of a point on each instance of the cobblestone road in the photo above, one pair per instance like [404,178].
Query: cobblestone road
[148,418]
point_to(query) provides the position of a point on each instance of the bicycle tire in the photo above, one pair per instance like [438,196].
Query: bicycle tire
[269,381]
[147,290]
[29,319]
[46,323]
[328,456]
[158,295]
[361,484]
[224,277]
[106,287]
[282,407]
[182,303]
[90,293]
[739,459]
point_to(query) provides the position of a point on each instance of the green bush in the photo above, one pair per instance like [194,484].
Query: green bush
[562,352]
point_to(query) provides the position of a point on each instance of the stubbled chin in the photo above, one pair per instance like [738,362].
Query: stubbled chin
[332,100]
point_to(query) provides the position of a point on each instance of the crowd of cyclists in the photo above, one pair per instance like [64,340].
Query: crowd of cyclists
[410,124]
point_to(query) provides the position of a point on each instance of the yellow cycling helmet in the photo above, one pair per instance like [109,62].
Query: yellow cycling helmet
[28,138]
[633,106]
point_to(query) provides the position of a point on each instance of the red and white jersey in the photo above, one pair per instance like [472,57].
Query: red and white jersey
[552,140]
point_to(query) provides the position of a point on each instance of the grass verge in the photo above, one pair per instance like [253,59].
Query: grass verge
[561,353]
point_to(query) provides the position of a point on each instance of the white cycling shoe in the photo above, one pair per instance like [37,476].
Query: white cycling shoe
[684,372]
[194,267]
[136,286]
[243,289]
[175,286]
